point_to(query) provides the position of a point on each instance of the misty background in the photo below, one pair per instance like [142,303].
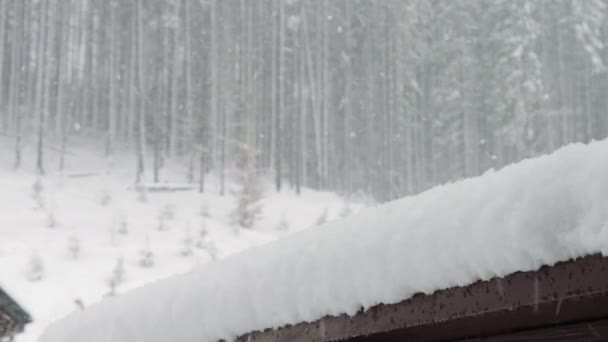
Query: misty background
[384,98]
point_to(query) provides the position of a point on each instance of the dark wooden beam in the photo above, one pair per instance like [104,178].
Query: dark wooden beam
[554,296]
[13,318]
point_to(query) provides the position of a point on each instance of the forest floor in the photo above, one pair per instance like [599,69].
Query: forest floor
[70,238]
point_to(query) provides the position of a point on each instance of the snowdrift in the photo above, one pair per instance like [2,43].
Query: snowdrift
[534,213]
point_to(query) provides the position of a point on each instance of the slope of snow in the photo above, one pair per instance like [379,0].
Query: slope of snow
[89,203]
[537,212]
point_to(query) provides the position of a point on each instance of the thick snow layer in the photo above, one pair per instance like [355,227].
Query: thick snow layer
[537,212]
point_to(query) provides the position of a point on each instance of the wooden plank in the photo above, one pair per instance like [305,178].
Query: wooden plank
[13,318]
[593,331]
[574,291]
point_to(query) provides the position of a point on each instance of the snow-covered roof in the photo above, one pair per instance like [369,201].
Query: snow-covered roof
[534,213]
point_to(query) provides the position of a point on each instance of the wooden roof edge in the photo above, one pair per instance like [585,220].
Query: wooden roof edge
[13,309]
[567,292]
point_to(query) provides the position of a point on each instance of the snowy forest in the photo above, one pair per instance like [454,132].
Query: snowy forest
[385,98]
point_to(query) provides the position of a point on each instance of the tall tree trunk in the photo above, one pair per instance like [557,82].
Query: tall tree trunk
[313,91]
[190,124]
[141,94]
[278,158]
[173,112]
[40,66]
[3,15]
[15,78]
[327,95]
[112,80]
[64,64]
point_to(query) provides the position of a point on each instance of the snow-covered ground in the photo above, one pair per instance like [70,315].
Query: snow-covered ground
[538,212]
[61,247]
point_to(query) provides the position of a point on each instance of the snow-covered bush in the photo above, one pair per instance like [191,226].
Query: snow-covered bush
[248,192]
[51,220]
[105,198]
[146,256]
[38,194]
[117,277]
[168,212]
[248,209]
[205,211]
[165,214]
[346,211]
[205,243]
[322,218]
[187,243]
[123,226]
[142,194]
[209,247]
[79,303]
[283,225]
[74,249]
[162,224]
[35,268]
[202,236]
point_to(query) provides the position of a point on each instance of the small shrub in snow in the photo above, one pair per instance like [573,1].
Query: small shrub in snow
[105,198]
[117,277]
[37,188]
[249,192]
[142,194]
[212,250]
[123,226]
[203,232]
[205,243]
[146,256]
[112,234]
[187,243]
[168,212]
[247,211]
[322,218]
[51,221]
[38,194]
[35,269]
[79,303]
[74,249]
[202,236]
[346,211]
[162,224]
[205,211]
[209,247]
[283,225]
